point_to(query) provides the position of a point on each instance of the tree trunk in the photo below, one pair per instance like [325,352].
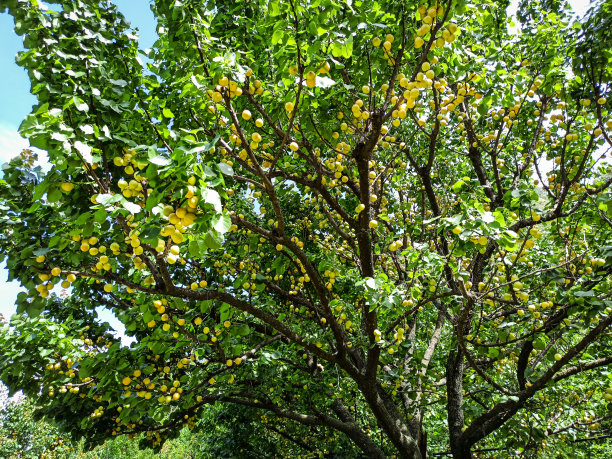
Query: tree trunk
[454,406]
[365,443]
[390,421]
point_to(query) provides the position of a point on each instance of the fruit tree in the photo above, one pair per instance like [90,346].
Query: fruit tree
[379,224]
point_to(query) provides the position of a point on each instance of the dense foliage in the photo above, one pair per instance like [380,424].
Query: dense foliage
[23,434]
[375,227]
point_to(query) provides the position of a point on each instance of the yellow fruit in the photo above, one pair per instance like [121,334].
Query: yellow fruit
[246,114]
[376,41]
[126,381]
[67,186]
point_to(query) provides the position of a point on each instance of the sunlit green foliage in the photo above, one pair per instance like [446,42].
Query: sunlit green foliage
[382,226]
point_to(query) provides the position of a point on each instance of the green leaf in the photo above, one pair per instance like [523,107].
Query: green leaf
[224,312]
[226,169]
[107,199]
[273,8]
[457,185]
[130,206]
[55,195]
[150,234]
[100,215]
[160,160]
[240,330]
[212,240]
[493,352]
[197,248]
[212,197]
[80,105]
[222,223]
[539,344]
[484,105]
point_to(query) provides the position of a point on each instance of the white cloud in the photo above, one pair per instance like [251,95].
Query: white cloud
[580,7]
[11,144]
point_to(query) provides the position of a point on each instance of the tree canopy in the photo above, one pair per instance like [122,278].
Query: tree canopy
[384,227]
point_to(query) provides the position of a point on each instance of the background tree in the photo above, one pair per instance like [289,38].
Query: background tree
[381,222]
[22,435]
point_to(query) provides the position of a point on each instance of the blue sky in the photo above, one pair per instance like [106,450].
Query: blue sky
[16,102]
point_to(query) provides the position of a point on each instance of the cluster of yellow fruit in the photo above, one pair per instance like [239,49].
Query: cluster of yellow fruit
[331,276]
[395,245]
[131,188]
[399,336]
[145,388]
[130,165]
[311,77]
[98,412]
[47,278]
[428,16]
[87,245]
[231,86]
